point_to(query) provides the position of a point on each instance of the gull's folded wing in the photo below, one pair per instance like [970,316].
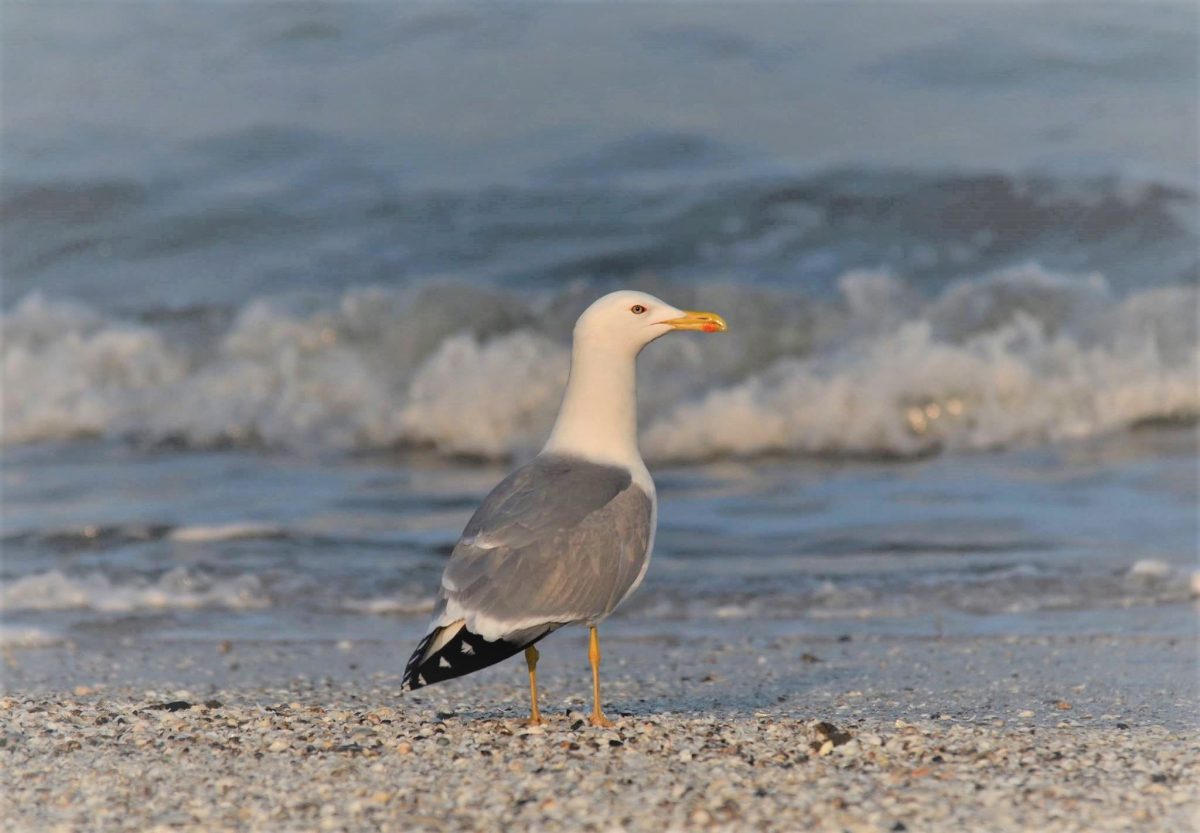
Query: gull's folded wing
[560,540]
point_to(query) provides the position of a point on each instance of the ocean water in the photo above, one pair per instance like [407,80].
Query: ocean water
[289,287]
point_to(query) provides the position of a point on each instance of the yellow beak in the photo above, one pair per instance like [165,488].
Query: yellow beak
[707,322]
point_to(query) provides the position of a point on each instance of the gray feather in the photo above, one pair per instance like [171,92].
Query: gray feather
[559,540]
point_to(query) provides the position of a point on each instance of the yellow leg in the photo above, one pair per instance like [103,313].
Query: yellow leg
[531,660]
[597,718]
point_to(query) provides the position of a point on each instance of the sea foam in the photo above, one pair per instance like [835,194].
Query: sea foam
[1024,356]
[177,589]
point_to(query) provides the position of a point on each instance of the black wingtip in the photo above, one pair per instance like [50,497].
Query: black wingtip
[463,653]
[413,679]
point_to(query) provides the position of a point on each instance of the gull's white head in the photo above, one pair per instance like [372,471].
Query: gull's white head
[598,417]
[626,321]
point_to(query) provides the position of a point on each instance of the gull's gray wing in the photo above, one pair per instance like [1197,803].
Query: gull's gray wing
[559,540]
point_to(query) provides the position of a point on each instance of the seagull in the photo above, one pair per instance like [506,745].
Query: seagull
[566,538]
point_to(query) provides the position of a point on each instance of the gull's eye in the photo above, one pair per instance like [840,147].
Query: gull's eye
[637,309]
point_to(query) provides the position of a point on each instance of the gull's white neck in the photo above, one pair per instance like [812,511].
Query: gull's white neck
[598,417]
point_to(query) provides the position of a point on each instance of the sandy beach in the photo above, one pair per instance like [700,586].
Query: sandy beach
[713,730]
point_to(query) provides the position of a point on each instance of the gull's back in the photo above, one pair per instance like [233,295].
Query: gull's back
[559,541]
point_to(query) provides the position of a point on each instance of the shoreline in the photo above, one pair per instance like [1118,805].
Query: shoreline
[743,732]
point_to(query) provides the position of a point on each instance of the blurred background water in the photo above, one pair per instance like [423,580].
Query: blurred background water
[287,288]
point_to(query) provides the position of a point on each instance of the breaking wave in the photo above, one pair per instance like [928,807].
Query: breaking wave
[1023,356]
[177,589]
[1021,588]
[1015,589]
[16,636]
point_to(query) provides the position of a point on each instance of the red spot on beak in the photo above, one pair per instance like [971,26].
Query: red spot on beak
[710,328]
